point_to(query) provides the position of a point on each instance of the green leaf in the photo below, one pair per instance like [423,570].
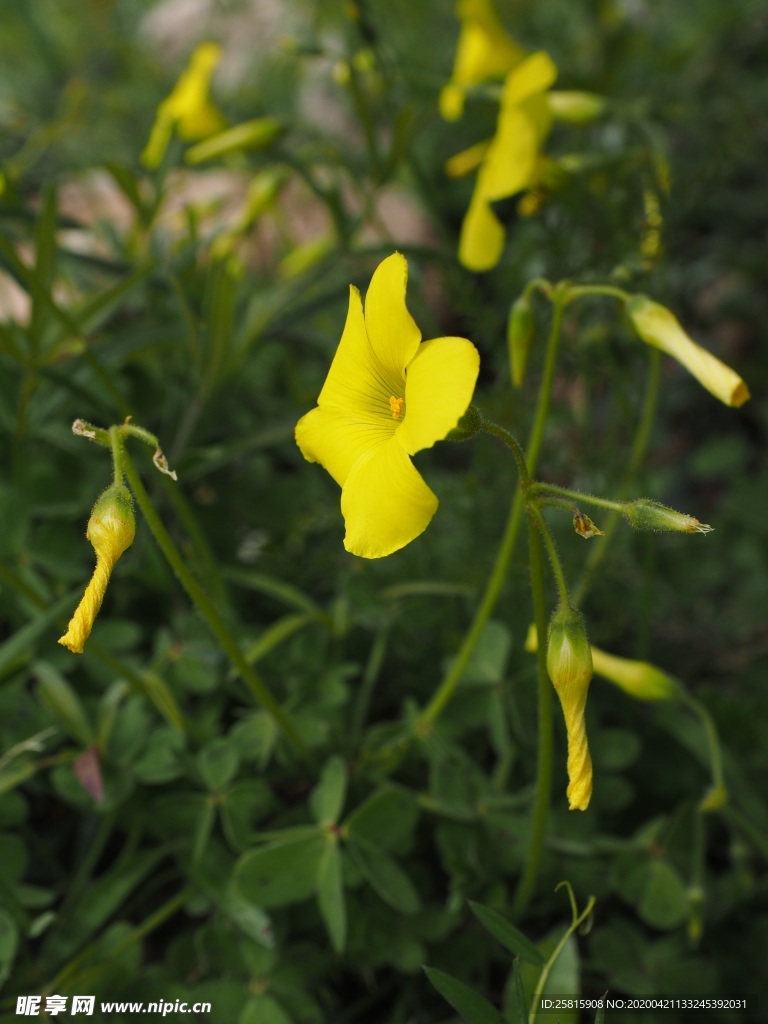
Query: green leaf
[615,749]
[489,659]
[13,857]
[474,1008]
[330,895]
[12,775]
[386,819]
[384,876]
[159,693]
[9,941]
[17,645]
[45,257]
[109,707]
[242,806]
[274,587]
[217,763]
[563,978]
[515,999]
[274,635]
[664,901]
[162,760]
[250,918]
[105,895]
[55,694]
[327,798]
[281,873]
[263,1010]
[507,934]
[457,784]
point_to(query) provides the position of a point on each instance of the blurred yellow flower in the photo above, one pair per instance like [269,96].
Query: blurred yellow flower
[387,396]
[657,326]
[508,163]
[187,110]
[111,529]
[485,50]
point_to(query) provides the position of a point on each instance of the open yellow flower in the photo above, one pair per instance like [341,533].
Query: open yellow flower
[387,396]
[485,50]
[188,109]
[508,163]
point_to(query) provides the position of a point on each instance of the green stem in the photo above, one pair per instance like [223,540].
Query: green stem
[547,502]
[527,882]
[577,496]
[745,825]
[139,432]
[713,741]
[514,446]
[368,682]
[207,609]
[149,925]
[117,454]
[639,448]
[546,969]
[554,559]
[448,686]
[580,291]
[559,301]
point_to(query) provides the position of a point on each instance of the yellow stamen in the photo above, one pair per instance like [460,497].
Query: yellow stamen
[396,406]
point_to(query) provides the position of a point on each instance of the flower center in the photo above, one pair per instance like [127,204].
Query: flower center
[396,406]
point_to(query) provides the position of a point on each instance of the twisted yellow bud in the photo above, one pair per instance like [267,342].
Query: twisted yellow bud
[111,530]
[660,328]
[569,663]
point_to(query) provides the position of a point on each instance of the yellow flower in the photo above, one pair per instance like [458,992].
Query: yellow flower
[508,163]
[111,530]
[187,110]
[485,50]
[387,396]
[657,326]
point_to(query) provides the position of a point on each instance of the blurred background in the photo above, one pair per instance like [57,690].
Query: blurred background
[203,293]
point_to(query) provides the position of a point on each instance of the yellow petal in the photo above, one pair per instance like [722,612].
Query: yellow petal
[392,331]
[467,160]
[385,503]
[511,159]
[337,441]
[357,383]
[439,384]
[533,75]
[485,50]
[482,236]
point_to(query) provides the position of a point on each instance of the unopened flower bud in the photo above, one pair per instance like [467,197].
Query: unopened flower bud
[111,530]
[521,328]
[645,514]
[569,664]
[255,134]
[575,107]
[639,679]
[657,326]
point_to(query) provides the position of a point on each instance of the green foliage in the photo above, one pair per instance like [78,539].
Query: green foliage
[242,791]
